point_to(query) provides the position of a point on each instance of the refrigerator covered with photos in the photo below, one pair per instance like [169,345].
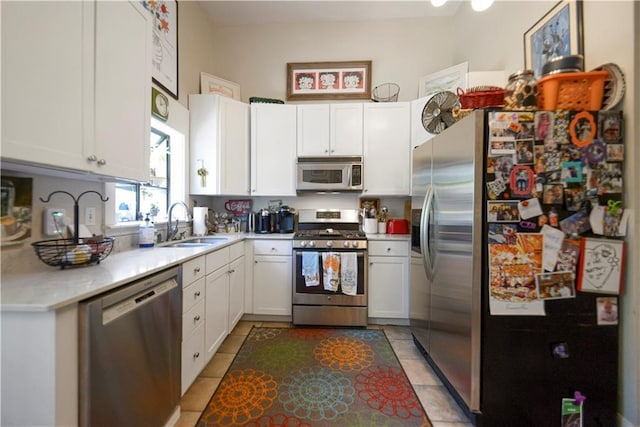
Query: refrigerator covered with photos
[521,226]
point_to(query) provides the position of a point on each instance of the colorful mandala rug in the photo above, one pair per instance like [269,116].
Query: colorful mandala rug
[315,377]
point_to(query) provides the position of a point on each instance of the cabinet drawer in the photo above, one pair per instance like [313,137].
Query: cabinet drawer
[388,248]
[192,270]
[217,259]
[192,294]
[236,251]
[192,319]
[272,247]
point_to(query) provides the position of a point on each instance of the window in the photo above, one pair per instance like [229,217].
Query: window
[134,201]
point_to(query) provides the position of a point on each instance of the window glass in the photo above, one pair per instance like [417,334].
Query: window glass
[135,201]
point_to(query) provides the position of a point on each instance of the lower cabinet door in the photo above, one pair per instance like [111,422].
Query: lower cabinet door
[216,310]
[272,285]
[389,287]
[192,357]
[236,292]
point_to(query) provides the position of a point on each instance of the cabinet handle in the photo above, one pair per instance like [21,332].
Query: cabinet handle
[365,190]
[195,319]
[196,270]
[231,271]
[388,249]
[196,355]
[370,263]
[255,262]
[102,162]
[92,158]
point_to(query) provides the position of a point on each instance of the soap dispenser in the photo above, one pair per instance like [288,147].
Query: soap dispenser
[147,233]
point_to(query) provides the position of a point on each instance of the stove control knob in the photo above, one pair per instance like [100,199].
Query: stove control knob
[346,244]
[355,243]
[303,243]
[312,244]
[329,243]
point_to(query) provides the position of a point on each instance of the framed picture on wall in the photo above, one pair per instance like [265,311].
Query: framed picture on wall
[164,57]
[329,80]
[557,33]
[213,84]
[449,79]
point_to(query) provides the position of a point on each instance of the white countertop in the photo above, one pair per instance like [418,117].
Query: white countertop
[56,288]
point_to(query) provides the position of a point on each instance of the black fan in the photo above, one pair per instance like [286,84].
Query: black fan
[437,114]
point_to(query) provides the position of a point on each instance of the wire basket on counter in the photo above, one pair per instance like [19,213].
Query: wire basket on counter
[67,252]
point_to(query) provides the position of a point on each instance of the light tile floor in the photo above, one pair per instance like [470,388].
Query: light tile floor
[442,409]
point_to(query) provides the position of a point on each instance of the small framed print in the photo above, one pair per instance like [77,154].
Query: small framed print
[607,308]
[582,129]
[524,152]
[610,126]
[553,194]
[615,152]
[572,171]
[328,80]
[522,180]
[601,265]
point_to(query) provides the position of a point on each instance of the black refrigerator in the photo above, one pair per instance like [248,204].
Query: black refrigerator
[506,310]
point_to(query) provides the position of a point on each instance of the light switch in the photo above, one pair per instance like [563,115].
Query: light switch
[90,216]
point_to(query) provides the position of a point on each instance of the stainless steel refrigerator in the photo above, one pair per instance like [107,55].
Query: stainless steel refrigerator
[503,370]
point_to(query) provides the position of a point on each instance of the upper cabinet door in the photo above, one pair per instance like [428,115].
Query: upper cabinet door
[313,130]
[123,89]
[387,142]
[219,133]
[329,130]
[46,54]
[273,150]
[77,78]
[346,129]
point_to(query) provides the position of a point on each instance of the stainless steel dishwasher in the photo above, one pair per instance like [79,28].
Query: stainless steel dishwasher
[130,353]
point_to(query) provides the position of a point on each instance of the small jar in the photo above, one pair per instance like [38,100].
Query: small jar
[521,91]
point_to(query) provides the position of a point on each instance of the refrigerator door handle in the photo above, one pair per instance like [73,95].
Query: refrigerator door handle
[425,244]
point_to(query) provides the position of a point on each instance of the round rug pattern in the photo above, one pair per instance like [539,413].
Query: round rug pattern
[241,396]
[277,420]
[316,394]
[344,353]
[386,389]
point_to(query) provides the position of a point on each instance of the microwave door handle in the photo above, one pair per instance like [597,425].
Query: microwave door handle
[425,244]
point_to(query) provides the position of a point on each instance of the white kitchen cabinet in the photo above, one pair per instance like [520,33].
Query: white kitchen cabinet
[388,279]
[76,87]
[387,149]
[329,130]
[272,277]
[193,299]
[216,310]
[273,150]
[237,274]
[224,294]
[219,134]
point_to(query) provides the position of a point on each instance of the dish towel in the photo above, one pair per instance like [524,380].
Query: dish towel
[349,273]
[310,269]
[331,271]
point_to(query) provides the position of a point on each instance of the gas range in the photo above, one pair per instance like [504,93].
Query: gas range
[329,229]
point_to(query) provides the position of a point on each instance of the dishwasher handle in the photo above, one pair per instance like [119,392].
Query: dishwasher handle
[133,296]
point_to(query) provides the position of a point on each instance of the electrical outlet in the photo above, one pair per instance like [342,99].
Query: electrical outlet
[53,222]
[90,216]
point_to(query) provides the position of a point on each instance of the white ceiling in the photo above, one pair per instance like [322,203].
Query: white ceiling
[241,12]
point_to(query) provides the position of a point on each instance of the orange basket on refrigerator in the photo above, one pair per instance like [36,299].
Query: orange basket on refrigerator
[572,91]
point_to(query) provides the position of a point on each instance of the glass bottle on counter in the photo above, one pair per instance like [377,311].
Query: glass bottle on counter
[521,91]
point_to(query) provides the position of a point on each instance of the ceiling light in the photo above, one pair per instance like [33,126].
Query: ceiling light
[480,5]
[438,3]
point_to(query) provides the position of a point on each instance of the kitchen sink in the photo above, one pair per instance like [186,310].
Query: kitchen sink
[194,242]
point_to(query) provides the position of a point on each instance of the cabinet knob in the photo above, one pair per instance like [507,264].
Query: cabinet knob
[370,263]
[388,249]
[102,162]
[365,190]
[196,355]
[92,158]
[196,270]
[196,294]
[232,271]
[326,151]
[196,318]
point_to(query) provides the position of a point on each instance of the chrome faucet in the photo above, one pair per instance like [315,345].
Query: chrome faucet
[172,231]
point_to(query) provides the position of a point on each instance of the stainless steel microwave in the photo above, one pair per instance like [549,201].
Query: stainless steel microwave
[329,174]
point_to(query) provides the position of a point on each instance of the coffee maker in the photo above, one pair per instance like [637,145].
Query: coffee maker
[285,220]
